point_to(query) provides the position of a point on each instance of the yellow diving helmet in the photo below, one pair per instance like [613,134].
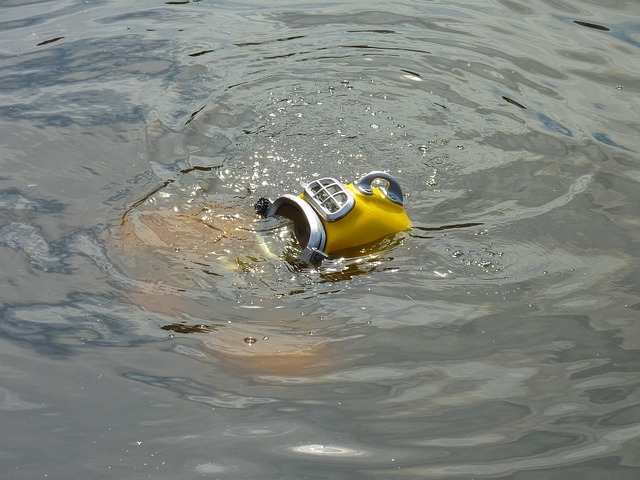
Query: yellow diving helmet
[332,219]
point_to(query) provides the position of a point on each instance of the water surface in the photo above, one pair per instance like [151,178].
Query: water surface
[498,340]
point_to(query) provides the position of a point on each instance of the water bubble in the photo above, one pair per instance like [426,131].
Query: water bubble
[423,148]
[457,254]
[250,340]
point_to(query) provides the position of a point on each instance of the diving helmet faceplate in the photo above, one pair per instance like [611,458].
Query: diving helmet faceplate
[307,226]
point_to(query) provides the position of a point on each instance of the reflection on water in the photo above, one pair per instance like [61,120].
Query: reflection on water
[140,315]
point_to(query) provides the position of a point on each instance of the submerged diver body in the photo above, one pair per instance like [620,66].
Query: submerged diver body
[162,247]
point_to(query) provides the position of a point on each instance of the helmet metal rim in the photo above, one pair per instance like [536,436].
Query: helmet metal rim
[317,235]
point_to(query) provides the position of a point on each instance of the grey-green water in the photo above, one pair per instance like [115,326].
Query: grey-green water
[499,340]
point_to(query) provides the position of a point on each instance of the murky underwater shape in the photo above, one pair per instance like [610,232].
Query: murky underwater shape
[145,332]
